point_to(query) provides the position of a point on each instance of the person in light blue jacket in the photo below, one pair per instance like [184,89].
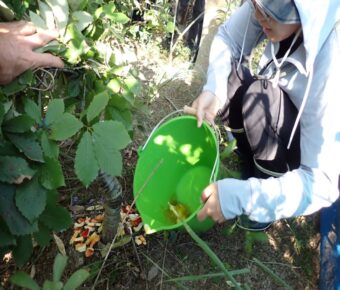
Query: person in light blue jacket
[285,118]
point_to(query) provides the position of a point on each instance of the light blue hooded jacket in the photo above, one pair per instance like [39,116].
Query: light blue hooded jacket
[311,78]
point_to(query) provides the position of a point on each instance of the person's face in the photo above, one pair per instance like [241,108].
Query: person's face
[274,30]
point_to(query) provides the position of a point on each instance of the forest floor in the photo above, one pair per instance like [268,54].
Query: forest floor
[289,248]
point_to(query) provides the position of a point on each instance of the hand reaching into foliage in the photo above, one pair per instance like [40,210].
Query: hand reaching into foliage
[211,206]
[17,41]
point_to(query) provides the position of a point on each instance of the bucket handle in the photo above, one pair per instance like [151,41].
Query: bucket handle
[215,129]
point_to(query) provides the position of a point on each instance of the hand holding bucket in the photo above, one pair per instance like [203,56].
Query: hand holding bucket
[191,163]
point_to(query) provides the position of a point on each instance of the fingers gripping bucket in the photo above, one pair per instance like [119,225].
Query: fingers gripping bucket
[176,163]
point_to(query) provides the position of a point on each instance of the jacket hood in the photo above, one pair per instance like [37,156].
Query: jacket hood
[317,18]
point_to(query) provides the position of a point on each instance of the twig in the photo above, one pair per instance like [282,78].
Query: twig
[164,272]
[132,204]
[272,274]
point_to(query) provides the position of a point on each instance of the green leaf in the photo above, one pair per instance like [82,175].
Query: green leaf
[86,165]
[51,285]
[77,278]
[49,147]
[109,161]
[32,110]
[124,117]
[98,104]
[55,110]
[43,236]
[2,115]
[13,88]
[17,224]
[82,19]
[24,280]
[77,4]
[6,237]
[26,78]
[19,124]
[56,218]
[61,11]
[31,199]
[47,14]
[65,127]
[107,11]
[59,265]
[23,251]
[37,20]
[14,169]
[51,174]
[27,144]
[111,134]
[7,148]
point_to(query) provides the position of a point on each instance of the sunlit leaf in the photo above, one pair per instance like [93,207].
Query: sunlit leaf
[37,20]
[82,19]
[46,13]
[61,13]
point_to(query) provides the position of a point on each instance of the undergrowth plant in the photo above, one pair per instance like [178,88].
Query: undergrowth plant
[88,104]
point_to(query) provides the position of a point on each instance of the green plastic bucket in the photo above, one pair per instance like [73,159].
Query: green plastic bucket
[176,163]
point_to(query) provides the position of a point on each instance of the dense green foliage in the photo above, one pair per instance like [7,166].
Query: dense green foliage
[89,104]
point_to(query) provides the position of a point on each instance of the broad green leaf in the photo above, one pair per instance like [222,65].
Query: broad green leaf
[76,44]
[32,110]
[82,19]
[105,10]
[49,147]
[77,279]
[115,85]
[26,78]
[170,27]
[77,4]
[14,170]
[86,165]
[111,134]
[56,218]
[124,117]
[16,222]
[55,110]
[65,127]
[52,285]
[13,88]
[119,18]
[59,265]
[43,236]
[23,251]
[30,199]
[132,84]
[7,239]
[27,144]
[19,124]
[7,149]
[37,20]
[47,14]
[2,114]
[51,174]
[24,280]
[109,161]
[97,105]
[61,12]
